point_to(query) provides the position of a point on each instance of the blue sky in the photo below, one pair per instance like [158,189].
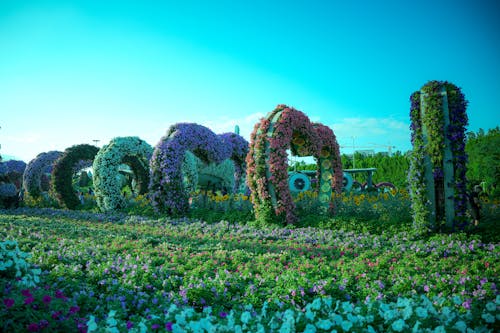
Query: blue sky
[76,71]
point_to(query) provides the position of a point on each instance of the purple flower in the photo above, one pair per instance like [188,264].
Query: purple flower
[74,309]
[33,327]
[29,300]
[223,314]
[168,326]
[60,294]
[46,299]
[26,293]
[9,302]
[129,324]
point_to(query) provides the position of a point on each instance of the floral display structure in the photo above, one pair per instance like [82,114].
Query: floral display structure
[438,161]
[12,171]
[35,169]
[131,151]
[267,162]
[167,190]
[239,147]
[64,168]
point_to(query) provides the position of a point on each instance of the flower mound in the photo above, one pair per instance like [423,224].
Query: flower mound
[123,150]
[63,172]
[167,190]
[36,167]
[267,174]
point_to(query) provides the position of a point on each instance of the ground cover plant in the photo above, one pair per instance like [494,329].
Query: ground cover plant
[118,272]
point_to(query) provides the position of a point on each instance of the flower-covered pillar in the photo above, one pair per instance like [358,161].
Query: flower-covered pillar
[438,160]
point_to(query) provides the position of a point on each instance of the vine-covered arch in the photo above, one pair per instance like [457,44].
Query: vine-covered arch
[122,150]
[267,162]
[42,163]
[167,189]
[63,172]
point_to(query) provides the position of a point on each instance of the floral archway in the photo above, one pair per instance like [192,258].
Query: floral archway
[267,162]
[42,163]
[167,189]
[122,150]
[65,166]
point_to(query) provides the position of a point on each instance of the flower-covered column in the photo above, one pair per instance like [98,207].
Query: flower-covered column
[437,164]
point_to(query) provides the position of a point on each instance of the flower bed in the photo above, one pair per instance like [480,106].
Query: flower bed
[181,274]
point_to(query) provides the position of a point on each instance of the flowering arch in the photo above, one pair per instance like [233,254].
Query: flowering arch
[64,169]
[167,189]
[41,164]
[267,175]
[122,150]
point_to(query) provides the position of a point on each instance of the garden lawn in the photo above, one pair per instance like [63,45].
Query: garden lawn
[133,273]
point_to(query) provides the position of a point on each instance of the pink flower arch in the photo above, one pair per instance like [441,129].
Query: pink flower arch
[267,175]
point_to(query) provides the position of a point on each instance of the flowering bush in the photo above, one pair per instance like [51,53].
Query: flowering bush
[41,164]
[168,193]
[63,172]
[122,150]
[429,139]
[138,267]
[267,175]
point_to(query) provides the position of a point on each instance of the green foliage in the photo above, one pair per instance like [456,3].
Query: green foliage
[483,150]
[84,179]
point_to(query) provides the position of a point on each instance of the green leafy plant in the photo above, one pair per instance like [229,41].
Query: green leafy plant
[14,267]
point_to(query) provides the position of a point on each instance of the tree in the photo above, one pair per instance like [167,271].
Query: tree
[483,150]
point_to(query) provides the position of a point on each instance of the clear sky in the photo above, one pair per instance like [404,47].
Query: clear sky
[76,71]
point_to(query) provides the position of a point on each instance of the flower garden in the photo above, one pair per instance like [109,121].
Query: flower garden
[168,239]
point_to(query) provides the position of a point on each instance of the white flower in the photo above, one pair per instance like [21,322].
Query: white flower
[398,325]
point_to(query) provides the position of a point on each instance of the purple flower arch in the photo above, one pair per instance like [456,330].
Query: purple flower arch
[167,192]
[267,174]
[41,164]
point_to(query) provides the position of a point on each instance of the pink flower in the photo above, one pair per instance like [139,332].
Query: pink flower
[28,300]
